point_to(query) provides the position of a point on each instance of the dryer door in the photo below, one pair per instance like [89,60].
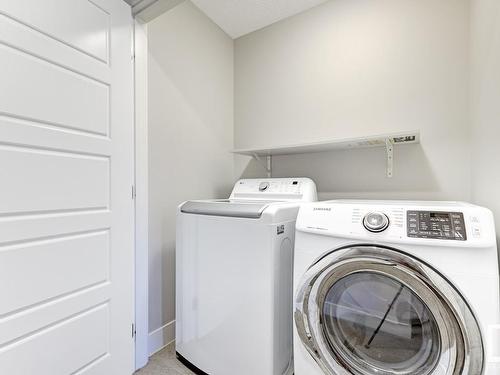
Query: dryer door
[369,310]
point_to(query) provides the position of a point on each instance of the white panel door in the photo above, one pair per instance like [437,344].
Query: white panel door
[66,174]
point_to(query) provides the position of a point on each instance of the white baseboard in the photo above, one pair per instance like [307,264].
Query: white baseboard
[161,337]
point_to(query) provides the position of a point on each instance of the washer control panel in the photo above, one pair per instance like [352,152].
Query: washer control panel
[292,189]
[436,224]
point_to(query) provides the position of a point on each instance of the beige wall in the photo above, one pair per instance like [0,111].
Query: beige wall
[190,79]
[346,68]
[485,99]
[358,67]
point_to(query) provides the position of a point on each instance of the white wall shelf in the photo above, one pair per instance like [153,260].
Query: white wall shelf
[383,140]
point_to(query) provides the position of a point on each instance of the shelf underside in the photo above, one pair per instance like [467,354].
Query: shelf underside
[410,137]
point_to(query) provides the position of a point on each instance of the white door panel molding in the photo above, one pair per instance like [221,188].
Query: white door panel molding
[66,169]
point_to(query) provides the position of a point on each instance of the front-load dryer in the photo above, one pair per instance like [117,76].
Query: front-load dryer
[396,288]
[234,278]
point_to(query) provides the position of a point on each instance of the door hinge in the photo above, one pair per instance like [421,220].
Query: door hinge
[133,331]
[133,192]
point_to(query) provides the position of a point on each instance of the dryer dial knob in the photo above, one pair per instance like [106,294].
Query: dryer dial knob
[376,222]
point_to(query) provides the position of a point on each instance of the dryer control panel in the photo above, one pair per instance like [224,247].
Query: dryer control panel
[436,224]
[422,223]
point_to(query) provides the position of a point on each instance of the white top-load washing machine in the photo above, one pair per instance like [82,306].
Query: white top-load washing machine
[234,278]
[396,287]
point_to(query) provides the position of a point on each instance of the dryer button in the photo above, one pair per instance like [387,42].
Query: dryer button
[476,231]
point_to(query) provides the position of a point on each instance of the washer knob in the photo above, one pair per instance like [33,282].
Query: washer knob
[263,186]
[376,222]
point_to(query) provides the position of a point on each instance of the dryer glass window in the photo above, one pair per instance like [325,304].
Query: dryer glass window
[379,326]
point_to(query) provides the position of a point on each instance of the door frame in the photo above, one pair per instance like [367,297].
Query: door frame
[142,16]
[140,56]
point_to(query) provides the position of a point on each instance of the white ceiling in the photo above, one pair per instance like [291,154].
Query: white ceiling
[240,17]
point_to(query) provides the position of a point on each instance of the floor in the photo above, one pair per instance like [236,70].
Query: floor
[164,363]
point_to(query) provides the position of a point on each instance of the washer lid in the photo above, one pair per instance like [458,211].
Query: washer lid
[231,208]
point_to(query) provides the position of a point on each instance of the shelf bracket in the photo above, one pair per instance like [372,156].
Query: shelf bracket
[267,164]
[389,150]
